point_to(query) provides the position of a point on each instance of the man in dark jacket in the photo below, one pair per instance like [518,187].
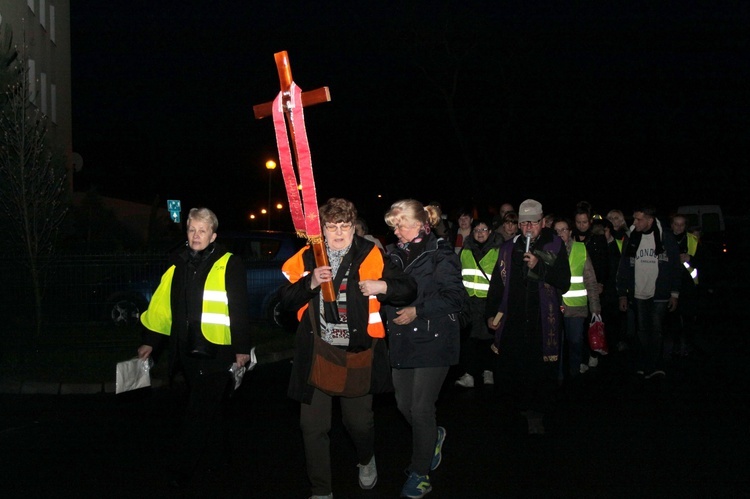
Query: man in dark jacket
[523,308]
[648,280]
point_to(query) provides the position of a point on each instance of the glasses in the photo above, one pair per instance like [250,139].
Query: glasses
[480,231]
[342,226]
[560,231]
[530,224]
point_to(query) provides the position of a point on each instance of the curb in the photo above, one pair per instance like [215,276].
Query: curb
[15,387]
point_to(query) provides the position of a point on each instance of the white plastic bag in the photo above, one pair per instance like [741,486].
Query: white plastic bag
[238,372]
[133,374]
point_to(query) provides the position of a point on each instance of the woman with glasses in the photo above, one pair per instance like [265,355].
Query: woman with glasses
[361,279]
[478,258]
[424,335]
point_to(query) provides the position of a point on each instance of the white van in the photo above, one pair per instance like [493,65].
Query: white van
[706,217]
[710,221]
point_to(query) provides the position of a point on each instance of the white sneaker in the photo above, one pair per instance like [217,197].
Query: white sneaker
[489,378]
[368,474]
[593,361]
[467,381]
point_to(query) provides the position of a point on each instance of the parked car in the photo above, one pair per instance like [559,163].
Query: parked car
[262,252]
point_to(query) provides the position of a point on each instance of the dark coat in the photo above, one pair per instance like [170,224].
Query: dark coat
[186,301]
[530,299]
[432,339]
[670,269]
[401,290]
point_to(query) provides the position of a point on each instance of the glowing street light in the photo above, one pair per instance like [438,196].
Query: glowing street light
[270,166]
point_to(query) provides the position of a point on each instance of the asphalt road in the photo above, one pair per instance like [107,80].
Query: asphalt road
[687,436]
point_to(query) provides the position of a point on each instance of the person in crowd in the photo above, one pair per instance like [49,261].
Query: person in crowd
[497,220]
[508,229]
[596,246]
[581,298]
[444,227]
[423,336]
[523,309]
[614,320]
[199,312]
[684,322]
[648,281]
[362,279]
[465,218]
[478,259]
[362,230]
[620,226]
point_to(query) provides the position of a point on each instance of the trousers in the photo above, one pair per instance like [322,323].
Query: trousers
[315,422]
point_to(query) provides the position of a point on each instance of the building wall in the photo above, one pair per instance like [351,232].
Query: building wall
[43,27]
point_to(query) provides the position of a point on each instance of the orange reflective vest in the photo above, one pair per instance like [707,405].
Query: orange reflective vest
[370,269]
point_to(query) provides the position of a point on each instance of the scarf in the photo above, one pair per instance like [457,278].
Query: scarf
[635,240]
[415,247]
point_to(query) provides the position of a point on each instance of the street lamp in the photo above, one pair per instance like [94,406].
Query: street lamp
[270,166]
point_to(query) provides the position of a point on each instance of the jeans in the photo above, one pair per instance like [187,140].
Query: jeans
[315,422]
[576,344]
[649,320]
[417,391]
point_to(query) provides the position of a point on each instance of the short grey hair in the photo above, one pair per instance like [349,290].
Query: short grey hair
[204,215]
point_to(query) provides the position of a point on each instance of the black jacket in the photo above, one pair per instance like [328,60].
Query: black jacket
[186,302]
[401,290]
[432,339]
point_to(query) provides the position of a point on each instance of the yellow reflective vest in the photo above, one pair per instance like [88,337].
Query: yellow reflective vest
[215,314]
[475,282]
[576,295]
[692,247]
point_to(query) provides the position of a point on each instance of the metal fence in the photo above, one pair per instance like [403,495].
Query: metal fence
[78,288]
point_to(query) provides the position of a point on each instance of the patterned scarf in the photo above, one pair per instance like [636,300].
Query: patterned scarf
[338,333]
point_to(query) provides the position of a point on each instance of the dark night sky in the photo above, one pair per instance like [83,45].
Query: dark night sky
[616,105]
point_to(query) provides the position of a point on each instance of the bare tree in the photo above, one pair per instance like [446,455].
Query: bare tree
[32,184]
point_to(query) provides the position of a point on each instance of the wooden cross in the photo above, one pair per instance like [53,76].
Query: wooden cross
[313,234]
[309,98]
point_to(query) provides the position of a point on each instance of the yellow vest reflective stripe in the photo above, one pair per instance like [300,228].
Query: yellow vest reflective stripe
[215,315]
[370,269]
[576,295]
[474,281]
[692,247]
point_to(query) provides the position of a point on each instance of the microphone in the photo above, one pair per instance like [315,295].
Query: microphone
[528,241]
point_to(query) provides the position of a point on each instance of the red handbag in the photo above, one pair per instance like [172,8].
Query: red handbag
[597,338]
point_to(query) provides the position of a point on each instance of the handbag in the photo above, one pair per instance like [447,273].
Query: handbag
[337,372]
[597,336]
